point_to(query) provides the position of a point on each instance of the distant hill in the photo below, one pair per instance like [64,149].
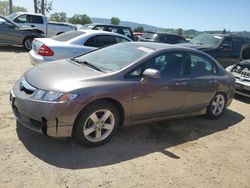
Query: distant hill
[128,24]
[188,33]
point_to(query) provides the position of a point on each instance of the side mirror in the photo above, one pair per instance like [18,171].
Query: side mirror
[10,25]
[150,74]
[226,47]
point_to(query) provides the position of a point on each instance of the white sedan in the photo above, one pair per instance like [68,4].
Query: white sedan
[72,43]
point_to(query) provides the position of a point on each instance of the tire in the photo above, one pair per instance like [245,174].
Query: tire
[27,43]
[217,106]
[96,124]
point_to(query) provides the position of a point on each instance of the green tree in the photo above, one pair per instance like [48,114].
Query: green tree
[139,29]
[80,19]
[43,6]
[4,8]
[59,17]
[179,32]
[115,21]
[224,31]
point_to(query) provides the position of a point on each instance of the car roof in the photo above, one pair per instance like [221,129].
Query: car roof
[88,31]
[111,25]
[162,33]
[164,46]
[159,46]
[34,14]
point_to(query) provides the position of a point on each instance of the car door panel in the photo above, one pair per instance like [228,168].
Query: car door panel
[200,92]
[164,96]
[202,83]
[158,98]
[9,34]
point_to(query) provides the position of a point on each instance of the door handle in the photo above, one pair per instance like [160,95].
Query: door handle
[32,26]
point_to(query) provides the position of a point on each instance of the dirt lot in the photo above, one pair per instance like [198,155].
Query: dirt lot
[193,152]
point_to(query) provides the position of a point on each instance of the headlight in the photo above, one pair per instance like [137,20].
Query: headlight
[229,69]
[53,96]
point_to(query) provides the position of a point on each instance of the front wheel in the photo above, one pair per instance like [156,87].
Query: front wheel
[97,124]
[28,43]
[216,106]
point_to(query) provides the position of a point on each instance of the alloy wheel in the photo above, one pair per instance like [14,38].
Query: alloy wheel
[28,44]
[99,125]
[218,104]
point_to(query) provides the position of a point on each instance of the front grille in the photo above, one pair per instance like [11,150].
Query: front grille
[244,91]
[245,73]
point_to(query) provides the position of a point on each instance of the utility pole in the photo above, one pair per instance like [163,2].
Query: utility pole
[42,7]
[10,6]
[35,6]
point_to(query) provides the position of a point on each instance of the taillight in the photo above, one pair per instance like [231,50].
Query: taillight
[45,51]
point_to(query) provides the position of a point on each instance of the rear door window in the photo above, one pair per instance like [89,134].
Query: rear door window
[120,39]
[201,66]
[127,32]
[104,40]
[37,19]
[90,42]
[112,29]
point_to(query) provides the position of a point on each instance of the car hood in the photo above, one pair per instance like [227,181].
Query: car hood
[62,75]
[197,46]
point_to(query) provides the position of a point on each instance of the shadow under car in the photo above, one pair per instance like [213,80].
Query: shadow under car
[129,142]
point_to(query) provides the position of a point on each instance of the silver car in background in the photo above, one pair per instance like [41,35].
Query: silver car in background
[90,96]
[72,43]
[241,72]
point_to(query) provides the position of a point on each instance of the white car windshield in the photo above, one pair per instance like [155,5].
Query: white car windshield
[115,57]
[12,16]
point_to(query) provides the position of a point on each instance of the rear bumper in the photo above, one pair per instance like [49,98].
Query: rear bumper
[36,59]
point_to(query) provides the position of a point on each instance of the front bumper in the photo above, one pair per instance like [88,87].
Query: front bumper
[242,87]
[55,119]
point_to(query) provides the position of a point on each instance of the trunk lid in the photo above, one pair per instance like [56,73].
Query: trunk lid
[38,42]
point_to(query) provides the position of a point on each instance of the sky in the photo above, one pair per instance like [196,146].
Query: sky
[233,15]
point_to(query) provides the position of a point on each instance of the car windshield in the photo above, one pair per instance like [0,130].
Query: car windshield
[207,39]
[67,36]
[115,57]
[12,16]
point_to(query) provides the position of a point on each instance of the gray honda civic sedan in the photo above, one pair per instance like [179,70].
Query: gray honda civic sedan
[89,97]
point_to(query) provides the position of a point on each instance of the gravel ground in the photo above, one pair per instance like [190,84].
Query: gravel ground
[191,152]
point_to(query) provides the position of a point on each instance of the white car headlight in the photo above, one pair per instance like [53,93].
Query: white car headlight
[53,96]
[229,69]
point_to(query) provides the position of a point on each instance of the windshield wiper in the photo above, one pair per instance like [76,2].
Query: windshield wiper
[86,63]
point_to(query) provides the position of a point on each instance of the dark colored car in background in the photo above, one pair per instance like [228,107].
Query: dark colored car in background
[224,48]
[111,28]
[162,38]
[92,95]
[12,34]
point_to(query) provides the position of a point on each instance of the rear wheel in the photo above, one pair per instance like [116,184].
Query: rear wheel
[217,106]
[97,124]
[27,43]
